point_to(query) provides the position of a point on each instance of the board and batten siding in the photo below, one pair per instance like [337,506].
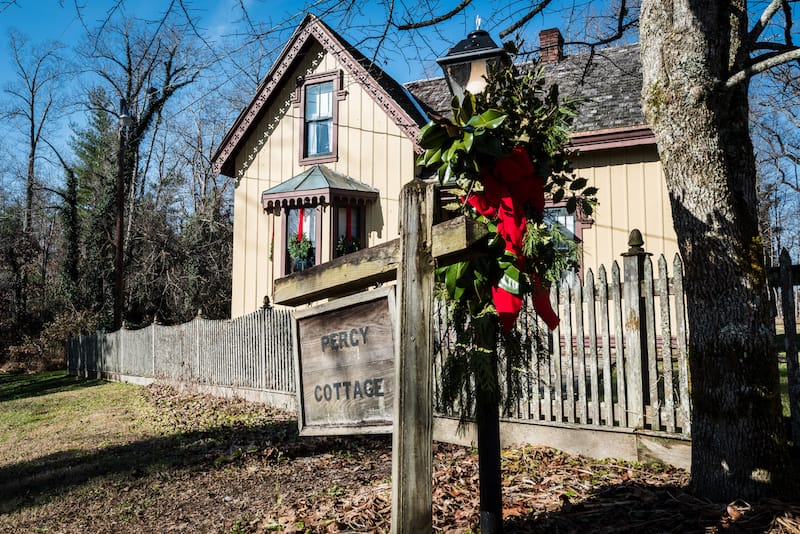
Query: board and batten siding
[371,148]
[632,193]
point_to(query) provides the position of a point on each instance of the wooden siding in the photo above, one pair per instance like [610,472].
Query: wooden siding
[632,193]
[371,148]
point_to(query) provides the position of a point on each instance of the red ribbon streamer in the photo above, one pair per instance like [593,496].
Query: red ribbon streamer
[300,225]
[507,186]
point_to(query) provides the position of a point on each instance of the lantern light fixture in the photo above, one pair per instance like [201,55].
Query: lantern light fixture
[466,65]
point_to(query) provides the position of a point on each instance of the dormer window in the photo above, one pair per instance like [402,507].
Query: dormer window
[319,95]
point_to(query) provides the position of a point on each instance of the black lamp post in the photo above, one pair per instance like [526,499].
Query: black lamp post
[125,120]
[465,67]
[466,64]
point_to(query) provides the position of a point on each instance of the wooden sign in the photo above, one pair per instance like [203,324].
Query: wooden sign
[344,354]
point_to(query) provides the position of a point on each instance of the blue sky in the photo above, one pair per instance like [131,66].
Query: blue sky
[220,22]
[57,20]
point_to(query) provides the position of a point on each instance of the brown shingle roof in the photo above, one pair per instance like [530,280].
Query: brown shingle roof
[608,83]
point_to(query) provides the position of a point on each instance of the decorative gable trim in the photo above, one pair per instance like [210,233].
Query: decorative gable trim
[224,159]
[368,83]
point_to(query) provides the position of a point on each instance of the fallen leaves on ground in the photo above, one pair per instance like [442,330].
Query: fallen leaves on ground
[226,465]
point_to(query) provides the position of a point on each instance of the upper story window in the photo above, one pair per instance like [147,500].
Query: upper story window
[319,119]
[318,96]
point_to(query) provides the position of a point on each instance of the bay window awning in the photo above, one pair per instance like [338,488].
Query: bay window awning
[317,185]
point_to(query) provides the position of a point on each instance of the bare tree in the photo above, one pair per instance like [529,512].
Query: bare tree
[775,116]
[144,67]
[32,103]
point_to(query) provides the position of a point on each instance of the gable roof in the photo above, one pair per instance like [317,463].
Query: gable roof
[608,84]
[383,89]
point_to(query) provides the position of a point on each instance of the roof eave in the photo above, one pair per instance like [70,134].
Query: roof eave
[628,136]
[234,137]
[313,197]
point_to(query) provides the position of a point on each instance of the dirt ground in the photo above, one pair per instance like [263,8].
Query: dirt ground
[153,460]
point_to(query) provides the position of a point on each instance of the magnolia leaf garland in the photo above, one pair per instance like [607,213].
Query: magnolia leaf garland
[487,152]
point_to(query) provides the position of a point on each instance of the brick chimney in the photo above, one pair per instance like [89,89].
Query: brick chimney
[551,45]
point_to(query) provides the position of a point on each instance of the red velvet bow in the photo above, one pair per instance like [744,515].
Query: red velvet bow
[507,186]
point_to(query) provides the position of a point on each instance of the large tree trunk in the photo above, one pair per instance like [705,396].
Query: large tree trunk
[689,48]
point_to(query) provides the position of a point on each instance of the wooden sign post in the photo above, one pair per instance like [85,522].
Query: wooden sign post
[412,438]
[410,260]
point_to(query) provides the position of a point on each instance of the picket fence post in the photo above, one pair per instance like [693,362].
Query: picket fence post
[635,349]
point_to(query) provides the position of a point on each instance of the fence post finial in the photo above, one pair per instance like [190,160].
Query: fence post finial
[635,243]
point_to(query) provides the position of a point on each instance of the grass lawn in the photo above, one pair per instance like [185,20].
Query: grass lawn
[80,456]
[48,414]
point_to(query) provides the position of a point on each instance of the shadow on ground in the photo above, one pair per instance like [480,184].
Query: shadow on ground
[642,508]
[20,386]
[36,481]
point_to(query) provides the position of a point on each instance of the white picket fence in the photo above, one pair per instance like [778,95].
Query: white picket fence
[251,352]
[619,362]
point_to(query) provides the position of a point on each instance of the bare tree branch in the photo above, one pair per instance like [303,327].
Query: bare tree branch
[521,22]
[385,30]
[436,20]
[762,64]
[764,20]
[787,27]
[5,4]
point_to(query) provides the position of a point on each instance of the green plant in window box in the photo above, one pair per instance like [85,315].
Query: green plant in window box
[347,245]
[299,249]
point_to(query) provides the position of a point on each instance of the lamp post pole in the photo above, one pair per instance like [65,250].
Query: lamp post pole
[119,213]
[465,68]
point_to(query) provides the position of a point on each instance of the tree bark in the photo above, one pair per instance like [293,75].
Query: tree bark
[689,48]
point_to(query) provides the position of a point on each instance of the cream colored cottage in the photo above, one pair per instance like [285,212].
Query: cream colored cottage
[328,141]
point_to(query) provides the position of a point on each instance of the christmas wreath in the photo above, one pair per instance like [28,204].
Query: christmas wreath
[299,247]
[503,151]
